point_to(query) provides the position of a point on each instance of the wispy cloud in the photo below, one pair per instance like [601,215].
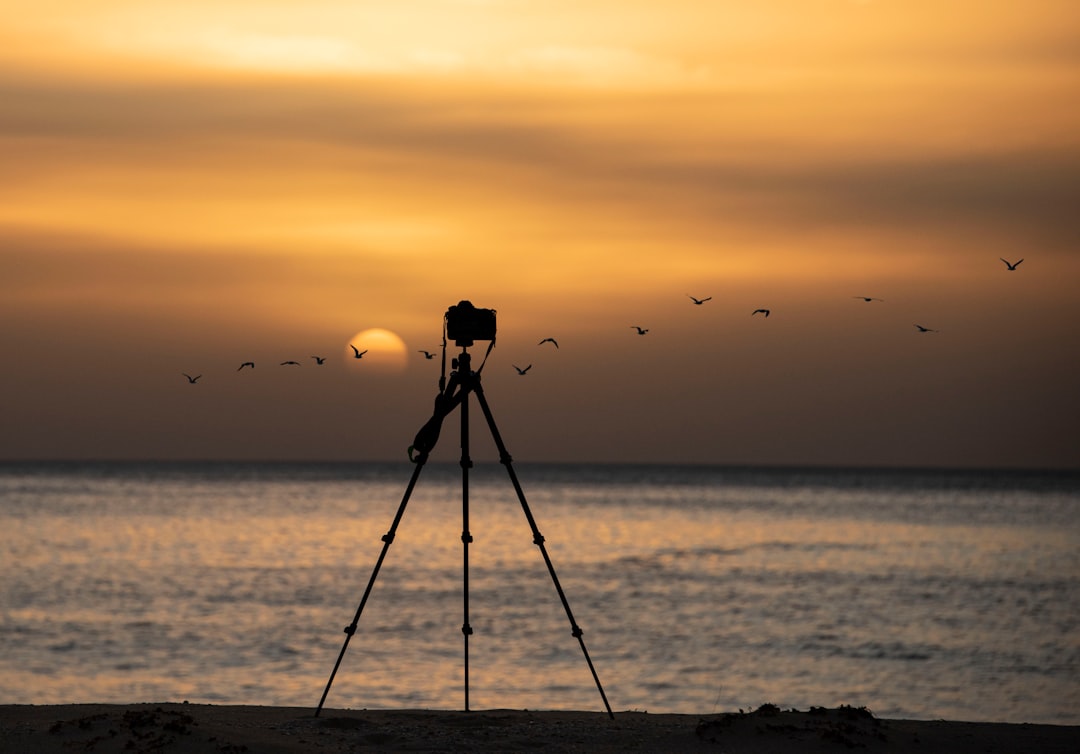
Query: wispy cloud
[339,143]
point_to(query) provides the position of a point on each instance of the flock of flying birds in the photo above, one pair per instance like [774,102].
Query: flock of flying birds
[319,361]
[1010,266]
[358,354]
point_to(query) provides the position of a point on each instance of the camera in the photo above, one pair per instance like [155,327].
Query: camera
[465,323]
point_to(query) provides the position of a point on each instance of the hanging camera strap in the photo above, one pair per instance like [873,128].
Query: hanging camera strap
[491,345]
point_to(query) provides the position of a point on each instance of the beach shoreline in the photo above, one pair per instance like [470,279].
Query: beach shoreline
[184,728]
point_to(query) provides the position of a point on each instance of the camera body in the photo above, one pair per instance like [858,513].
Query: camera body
[465,323]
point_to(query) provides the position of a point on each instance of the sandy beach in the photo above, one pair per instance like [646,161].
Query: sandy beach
[209,729]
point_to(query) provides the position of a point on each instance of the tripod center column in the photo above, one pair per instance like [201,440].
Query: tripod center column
[466,381]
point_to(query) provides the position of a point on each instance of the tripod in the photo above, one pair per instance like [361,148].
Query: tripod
[463,382]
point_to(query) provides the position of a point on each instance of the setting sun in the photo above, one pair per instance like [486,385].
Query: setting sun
[375,350]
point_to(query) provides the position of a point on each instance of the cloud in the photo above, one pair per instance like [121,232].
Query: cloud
[548,150]
[386,176]
[1028,194]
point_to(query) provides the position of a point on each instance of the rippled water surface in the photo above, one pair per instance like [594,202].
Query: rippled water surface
[917,594]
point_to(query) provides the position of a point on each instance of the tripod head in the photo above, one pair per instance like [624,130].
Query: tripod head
[462,362]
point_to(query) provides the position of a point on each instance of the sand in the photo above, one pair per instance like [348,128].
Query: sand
[211,729]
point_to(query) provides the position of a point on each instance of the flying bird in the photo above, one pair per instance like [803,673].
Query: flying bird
[319,359]
[868,299]
[1010,265]
[924,329]
[640,330]
[761,311]
[357,352]
[520,370]
[191,379]
[246,364]
[548,340]
[700,301]
[286,363]
[427,354]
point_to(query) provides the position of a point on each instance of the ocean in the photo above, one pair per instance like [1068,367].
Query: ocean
[918,594]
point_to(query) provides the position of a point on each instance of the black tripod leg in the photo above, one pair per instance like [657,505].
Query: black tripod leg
[538,538]
[387,539]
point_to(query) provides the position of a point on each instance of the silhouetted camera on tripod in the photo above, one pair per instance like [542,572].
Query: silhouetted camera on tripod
[465,323]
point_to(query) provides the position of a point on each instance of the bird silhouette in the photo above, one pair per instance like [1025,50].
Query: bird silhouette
[292,363]
[319,359]
[766,312]
[427,354]
[924,329]
[868,298]
[520,370]
[191,379]
[357,353]
[640,330]
[1010,265]
[548,340]
[246,364]
[700,301]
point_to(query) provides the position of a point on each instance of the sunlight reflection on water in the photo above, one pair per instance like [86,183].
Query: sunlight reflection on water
[233,585]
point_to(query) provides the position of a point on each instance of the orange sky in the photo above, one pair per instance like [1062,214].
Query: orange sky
[187,186]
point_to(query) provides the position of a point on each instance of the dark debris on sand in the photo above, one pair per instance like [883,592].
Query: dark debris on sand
[138,730]
[132,729]
[847,727]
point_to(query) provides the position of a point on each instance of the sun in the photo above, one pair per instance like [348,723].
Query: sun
[382,352]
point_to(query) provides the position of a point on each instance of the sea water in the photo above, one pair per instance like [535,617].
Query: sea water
[919,594]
